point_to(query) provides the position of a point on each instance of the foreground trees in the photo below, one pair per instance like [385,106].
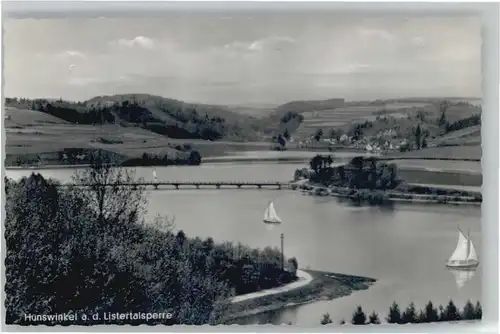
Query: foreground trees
[411,316]
[90,251]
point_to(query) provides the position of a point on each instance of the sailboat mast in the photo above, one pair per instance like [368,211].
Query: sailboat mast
[282,256]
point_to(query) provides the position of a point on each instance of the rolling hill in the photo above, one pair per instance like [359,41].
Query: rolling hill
[168,117]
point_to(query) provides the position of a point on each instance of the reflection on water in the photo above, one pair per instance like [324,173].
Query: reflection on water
[462,276]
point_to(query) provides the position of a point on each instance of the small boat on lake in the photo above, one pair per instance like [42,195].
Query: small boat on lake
[154,175]
[270,215]
[464,257]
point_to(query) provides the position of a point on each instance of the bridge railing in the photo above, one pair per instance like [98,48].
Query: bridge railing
[179,183]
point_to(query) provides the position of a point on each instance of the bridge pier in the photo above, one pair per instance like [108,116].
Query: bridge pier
[239,186]
[259,186]
[279,186]
[218,185]
[176,186]
[156,186]
[197,186]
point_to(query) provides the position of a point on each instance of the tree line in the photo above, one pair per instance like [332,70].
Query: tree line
[172,120]
[410,315]
[359,173]
[191,158]
[82,251]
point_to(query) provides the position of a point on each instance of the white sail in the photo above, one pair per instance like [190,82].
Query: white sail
[461,251]
[270,215]
[472,252]
[462,276]
[154,175]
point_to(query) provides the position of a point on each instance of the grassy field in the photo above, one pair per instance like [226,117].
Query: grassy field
[32,133]
[456,152]
[400,116]
[347,115]
[419,176]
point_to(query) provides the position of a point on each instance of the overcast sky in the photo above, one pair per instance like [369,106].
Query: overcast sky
[243,59]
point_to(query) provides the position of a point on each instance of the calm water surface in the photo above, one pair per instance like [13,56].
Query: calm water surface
[404,247]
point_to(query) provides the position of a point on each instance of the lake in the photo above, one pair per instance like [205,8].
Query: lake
[404,247]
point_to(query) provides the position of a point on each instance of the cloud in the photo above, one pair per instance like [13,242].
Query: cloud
[70,54]
[260,45]
[137,42]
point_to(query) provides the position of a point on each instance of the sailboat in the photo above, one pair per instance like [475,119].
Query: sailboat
[464,256]
[270,215]
[154,175]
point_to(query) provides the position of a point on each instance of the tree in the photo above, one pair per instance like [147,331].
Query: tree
[394,316]
[409,315]
[479,311]
[286,135]
[32,234]
[281,140]
[431,313]
[421,317]
[326,319]
[194,158]
[373,318]
[469,313]
[315,163]
[418,136]
[341,171]
[318,134]
[358,317]
[451,312]
[113,201]
[328,161]
[443,107]
[441,315]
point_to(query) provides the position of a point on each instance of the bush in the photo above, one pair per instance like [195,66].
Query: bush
[373,318]
[326,319]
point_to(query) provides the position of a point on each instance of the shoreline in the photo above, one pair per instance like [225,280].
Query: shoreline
[303,278]
[237,159]
[322,286]
[390,196]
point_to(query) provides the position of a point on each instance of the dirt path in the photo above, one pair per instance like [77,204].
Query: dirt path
[304,279]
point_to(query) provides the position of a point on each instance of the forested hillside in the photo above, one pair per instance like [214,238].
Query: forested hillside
[169,117]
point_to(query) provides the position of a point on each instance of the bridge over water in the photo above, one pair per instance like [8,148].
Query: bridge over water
[156,185]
